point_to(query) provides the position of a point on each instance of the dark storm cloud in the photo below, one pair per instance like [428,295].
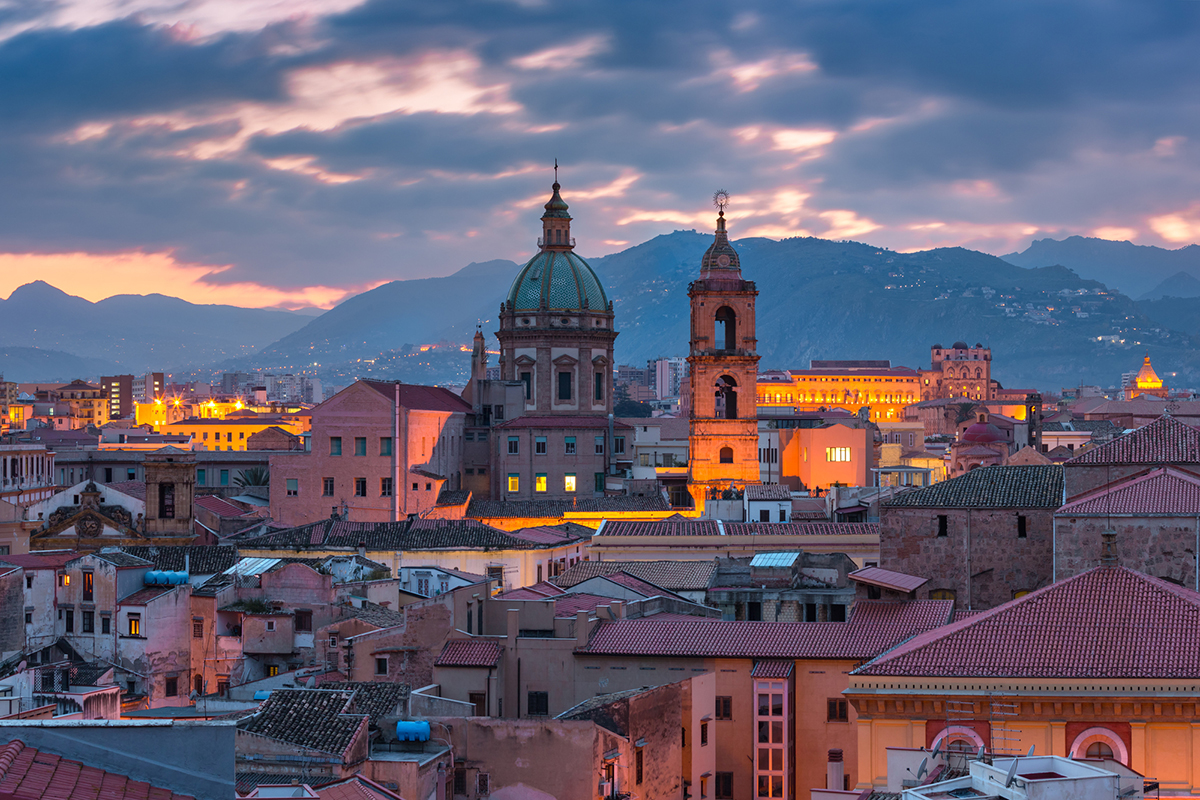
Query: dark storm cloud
[1042,104]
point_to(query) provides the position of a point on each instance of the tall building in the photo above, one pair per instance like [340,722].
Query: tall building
[670,376]
[120,395]
[958,371]
[556,338]
[1145,382]
[723,361]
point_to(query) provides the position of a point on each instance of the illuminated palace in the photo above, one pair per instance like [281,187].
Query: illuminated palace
[1146,382]
[957,371]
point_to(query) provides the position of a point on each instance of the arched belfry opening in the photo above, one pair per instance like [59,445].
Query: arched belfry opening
[726,392]
[725,329]
[726,455]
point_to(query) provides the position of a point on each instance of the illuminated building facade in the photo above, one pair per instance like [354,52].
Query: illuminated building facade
[958,371]
[849,385]
[1146,382]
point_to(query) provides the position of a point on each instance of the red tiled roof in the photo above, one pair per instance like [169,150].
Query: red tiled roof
[30,774]
[1108,622]
[469,653]
[1162,491]
[568,605]
[220,506]
[544,535]
[888,579]
[1164,441]
[558,423]
[421,398]
[355,788]
[673,575]
[134,489]
[666,527]
[874,628]
[772,669]
[539,591]
[51,560]
[643,587]
[143,596]
[803,528]
[768,492]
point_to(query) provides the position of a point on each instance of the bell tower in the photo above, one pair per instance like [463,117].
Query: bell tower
[723,357]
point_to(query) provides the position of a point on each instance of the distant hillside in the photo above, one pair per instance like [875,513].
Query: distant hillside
[137,333]
[818,299]
[1181,284]
[31,365]
[1124,266]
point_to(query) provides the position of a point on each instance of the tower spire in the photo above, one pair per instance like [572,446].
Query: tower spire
[556,222]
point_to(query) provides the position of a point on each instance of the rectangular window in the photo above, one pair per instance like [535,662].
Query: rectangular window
[539,445]
[327,487]
[637,765]
[108,474]
[599,396]
[527,379]
[360,487]
[89,622]
[166,501]
[704,734]
[599,445]
[381,666]
[293,487]
[135,624]
[172,687]
[514,482]
[569,482]
[619,445]
[538,704]
[360,445]
[270,625]
[385,487]
[599,478]
[224,477]
[724,787]
[201,477]
[514,446]
[89,586]
[197,629]
[385,446]
[272,670]
[303,620]
[943,525]
[569,445]
[724,708]
[539,482]
[497,412]
[564,386]
[335,445]
[106,625]
[1021,531]
[131,474]
[837,453]
[838,710]
[70,621]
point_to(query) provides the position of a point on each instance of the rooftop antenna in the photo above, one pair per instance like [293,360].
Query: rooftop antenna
[1012,774]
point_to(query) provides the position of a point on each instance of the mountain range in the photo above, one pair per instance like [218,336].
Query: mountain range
[1050,325]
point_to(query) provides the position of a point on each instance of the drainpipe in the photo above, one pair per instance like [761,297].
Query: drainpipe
[1054,548]
[396,457]
[969,598]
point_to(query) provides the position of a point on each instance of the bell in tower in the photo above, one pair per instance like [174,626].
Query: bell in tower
[723,360]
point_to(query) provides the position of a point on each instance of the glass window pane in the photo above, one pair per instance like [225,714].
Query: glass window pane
[763,707]
[777,759]
[764,786]
[764,759]
[777,733]
[776,786]
[764,732]
[777,705]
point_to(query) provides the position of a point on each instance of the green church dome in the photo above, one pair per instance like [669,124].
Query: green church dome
[557,280]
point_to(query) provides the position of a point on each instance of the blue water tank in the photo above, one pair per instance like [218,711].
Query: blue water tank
[177,578]
[412,730]
[262,694]
[151,578]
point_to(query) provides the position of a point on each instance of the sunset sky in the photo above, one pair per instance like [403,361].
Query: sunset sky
[291,152]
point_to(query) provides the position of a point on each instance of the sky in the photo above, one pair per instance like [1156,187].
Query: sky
[291,153]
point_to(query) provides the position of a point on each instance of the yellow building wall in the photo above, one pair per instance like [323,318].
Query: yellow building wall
[223,435]
[885,395]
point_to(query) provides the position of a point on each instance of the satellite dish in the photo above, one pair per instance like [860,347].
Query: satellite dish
[1032,747]
[1012,773]
[921,770]
[937,749]
[980,754]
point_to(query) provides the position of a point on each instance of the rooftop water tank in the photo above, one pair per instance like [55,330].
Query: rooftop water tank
[412,730]
[262,694]
[152,577]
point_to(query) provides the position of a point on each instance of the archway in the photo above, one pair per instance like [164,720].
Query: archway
[726,455]
[726,391]
[725,329]
[1099,736]
[952,735]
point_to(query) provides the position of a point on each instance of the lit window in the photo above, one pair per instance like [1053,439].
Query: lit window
[135,625]
[539,482]
[837,453]
[514,482]
[569,482]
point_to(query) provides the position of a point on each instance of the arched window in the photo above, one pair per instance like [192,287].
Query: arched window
[726,455]
[199,684]
[941,594]
[1099,750]
[725,329]
[726,391]
[1099,742]
[978,373]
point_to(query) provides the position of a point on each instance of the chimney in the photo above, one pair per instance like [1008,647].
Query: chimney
[617,609]
[362,549]
[1108,549]
[581,628]
[835,771]
[514,625]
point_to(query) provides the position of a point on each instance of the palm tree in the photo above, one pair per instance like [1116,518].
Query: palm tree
[963,411]
[255,476]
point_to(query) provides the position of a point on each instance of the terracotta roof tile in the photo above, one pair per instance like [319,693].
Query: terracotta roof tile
[220,506]
[1164,441]
[30,774]
[643,587]
[143,596]
[597,423]
[874,628]
[802,528]
[888,579]
[31,561]
[1027,486]
[697,527]
[421,398]
[376,699]
[767,492]
[1162,491]
[134,489]
[568,605]
[772,669]
[469,653]
[1108,622]
[673,575]
[315,719]
[355,788]
[420,534]
[555,509]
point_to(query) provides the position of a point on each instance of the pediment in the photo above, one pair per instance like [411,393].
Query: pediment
[524,361]
[565,361]
[601,359]
[89,523]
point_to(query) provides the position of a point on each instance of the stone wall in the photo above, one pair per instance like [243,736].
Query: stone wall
[1164,547]
[12,600]
[980,545]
